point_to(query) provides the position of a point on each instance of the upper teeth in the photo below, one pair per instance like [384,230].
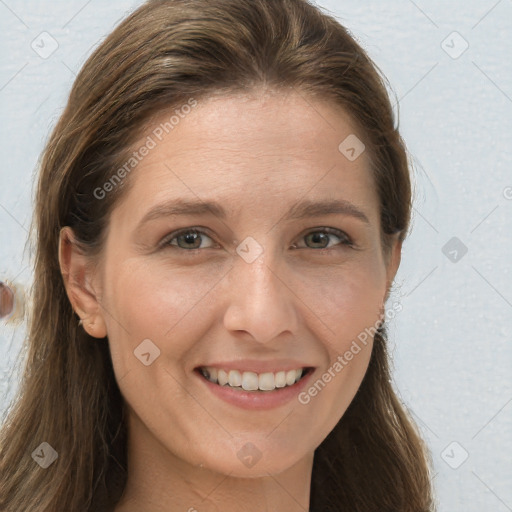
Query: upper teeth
[251,381]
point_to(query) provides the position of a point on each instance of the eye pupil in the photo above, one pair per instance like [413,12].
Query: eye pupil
[187,238]
[190,238]
[318,238]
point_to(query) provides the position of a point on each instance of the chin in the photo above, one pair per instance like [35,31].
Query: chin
[253,459]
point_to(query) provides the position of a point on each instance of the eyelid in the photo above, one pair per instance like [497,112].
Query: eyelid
[346,240]
[194,229]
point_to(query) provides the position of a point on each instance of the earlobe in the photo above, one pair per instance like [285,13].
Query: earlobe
[95,326]
[77,275]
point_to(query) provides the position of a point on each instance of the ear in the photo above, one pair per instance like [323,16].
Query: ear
[394,255]
[77,272]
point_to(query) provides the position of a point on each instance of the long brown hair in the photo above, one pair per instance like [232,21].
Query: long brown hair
[159,57]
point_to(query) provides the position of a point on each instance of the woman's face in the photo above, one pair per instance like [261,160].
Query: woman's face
[265,286]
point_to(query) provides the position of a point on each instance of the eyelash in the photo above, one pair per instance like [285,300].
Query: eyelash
[345,239]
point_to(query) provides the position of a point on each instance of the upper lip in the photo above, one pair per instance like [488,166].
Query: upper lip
[258,366]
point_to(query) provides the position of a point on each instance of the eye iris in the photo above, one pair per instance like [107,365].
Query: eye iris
[190,237]
[318,235]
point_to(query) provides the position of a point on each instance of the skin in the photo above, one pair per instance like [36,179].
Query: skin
[6,300]
[256,155]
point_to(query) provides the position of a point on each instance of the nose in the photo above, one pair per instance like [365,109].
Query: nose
[261,301]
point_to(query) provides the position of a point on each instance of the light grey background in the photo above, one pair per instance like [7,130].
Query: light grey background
[452,342]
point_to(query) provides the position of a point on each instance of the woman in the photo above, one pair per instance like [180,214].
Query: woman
[191,346]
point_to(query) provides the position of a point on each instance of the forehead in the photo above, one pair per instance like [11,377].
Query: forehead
[267,124]
[255,151]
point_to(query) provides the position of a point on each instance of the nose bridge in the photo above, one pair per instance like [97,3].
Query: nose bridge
[260,301]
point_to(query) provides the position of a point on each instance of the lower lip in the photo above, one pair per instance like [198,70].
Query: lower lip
[257,400]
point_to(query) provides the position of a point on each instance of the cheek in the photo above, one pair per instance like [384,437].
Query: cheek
[347,300]
[155,302]
[348,304]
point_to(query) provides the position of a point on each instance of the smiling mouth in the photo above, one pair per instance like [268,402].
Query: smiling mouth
[251,381]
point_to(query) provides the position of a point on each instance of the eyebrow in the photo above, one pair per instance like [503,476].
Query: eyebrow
[301,210]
